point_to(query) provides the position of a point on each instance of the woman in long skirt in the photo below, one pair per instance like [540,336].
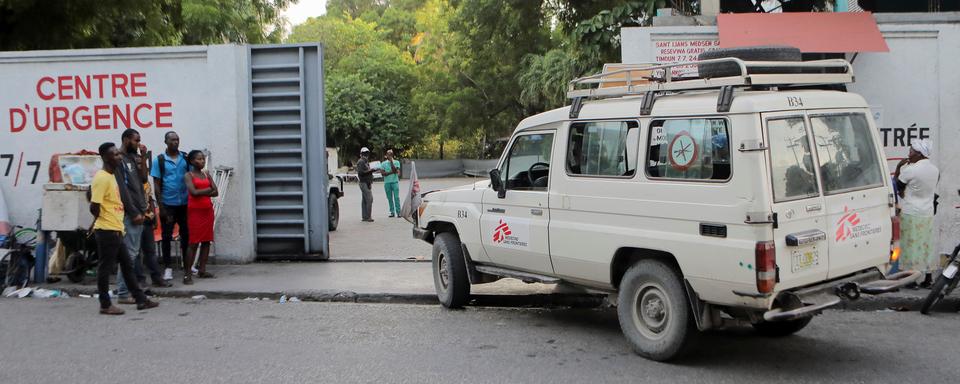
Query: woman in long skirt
[917,178]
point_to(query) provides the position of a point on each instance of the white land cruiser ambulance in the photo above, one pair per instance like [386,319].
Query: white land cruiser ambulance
[700,203]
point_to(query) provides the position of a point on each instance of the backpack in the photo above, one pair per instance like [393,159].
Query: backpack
[161,163]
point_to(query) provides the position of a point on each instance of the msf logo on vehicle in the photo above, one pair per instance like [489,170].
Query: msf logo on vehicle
[849,227]
[516,237]
[501,232]
[846,222]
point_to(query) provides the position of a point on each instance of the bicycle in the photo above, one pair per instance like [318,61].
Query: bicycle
[21,242]
[945,284]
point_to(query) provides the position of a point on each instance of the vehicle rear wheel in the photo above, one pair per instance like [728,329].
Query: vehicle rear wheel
[654,313]
[450,271]
[781,328]
[334,213]
[759,53]
[937,292]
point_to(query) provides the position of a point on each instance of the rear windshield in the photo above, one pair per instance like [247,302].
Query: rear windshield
[791,162]
[846,152]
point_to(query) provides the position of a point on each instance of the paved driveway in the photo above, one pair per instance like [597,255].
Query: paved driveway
[386,238]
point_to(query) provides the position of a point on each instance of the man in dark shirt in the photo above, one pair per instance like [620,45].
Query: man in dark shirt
[365,179]
[133,170]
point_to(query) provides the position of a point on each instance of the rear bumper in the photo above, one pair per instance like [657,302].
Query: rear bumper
[810,301]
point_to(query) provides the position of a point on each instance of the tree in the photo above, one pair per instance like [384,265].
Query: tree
[368,83]
[232,21]
[74,24]
[491,39]
[586,37]
[543,82]
[463,71]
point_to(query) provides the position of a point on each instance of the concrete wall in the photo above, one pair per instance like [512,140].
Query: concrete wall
[913,90]
[200,92]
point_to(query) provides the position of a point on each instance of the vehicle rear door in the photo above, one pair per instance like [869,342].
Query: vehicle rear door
[800,229]
[856,190]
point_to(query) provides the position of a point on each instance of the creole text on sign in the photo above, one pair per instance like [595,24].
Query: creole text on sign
[83,102]
[675,51]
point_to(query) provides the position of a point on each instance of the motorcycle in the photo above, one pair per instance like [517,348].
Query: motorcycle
[945,284]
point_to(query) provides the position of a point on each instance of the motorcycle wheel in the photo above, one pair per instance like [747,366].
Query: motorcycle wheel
[937,292]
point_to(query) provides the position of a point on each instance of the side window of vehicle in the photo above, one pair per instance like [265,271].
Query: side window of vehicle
[527,166]
[604,148]
[791,162]
[689,149]
[848,156]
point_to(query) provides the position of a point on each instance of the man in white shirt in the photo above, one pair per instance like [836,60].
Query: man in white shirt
[917,178]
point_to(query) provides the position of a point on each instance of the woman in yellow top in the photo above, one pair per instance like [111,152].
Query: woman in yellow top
[107,209]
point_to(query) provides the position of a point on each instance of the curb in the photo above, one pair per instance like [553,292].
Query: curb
[556,300]
[553,300]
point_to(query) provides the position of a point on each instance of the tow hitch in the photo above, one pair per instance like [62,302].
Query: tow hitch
[812,300]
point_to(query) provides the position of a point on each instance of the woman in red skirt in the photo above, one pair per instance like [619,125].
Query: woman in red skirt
[201,189]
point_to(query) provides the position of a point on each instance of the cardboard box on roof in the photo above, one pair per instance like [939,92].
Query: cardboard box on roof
[637,77]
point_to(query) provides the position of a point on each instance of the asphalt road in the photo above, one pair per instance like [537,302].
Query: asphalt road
[212,341]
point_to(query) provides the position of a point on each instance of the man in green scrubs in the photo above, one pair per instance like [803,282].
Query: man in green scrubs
[390,169]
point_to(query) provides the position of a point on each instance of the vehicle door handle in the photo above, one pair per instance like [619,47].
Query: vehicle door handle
[814,207]
[805,237]
[536,212]
[497,210]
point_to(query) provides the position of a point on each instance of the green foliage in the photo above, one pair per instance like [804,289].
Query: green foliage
[447,76]
[543,82]
[236,21]
[71,24]
[368,83]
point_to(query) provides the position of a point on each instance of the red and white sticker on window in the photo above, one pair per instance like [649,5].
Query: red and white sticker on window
[683,151]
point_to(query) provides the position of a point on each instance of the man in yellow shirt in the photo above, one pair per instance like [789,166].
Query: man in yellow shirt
[106,206]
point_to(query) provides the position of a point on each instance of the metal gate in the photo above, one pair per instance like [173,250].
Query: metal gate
[288,144]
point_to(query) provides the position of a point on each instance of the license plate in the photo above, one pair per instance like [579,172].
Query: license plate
[804,258]
[951,271]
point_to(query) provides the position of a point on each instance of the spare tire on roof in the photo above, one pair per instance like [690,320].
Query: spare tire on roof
[758,53]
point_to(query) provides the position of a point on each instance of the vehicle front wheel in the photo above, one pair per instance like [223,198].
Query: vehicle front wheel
[781,328]
[654,313]
[450,271]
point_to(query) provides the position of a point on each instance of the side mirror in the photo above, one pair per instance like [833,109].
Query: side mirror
[497,183]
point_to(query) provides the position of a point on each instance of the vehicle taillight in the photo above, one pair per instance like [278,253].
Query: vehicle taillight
[895,239]
[766,252]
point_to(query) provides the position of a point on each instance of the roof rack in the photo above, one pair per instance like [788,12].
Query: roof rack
[626,81]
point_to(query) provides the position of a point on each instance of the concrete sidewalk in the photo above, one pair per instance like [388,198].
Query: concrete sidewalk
[406,282]
[348,281]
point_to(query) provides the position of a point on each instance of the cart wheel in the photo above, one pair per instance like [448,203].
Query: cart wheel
[74,268]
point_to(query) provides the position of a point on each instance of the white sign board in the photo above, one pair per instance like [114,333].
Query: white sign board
[680,50]
[57,102]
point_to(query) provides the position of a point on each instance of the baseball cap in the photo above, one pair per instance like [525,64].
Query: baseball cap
[364,149]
